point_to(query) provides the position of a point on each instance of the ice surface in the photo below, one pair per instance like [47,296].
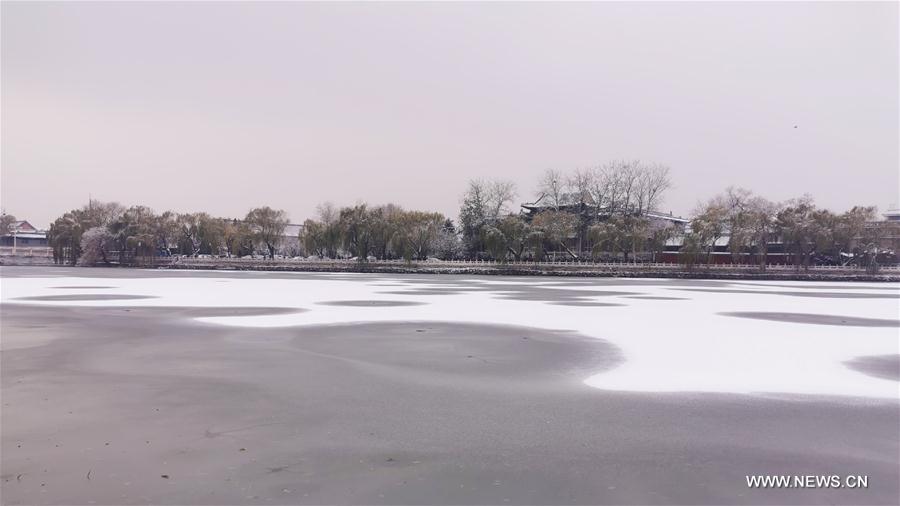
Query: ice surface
[668,345]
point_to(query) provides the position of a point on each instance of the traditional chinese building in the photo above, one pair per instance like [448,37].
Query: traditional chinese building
[22,234]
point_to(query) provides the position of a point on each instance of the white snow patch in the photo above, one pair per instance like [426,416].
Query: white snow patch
[668,345]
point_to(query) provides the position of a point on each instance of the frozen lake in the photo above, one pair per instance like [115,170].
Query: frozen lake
[255,387]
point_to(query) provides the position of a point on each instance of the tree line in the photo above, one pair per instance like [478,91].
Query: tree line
[609,212]
[383,232]
[107,232]
[593,212]
[805,232]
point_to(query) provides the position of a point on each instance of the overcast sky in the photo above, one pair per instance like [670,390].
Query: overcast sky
[222,107]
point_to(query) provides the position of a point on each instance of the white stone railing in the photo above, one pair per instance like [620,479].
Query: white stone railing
[25,251]
[576,264]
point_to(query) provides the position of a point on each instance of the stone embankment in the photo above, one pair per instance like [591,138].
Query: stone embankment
[568,269]
[40,260]
[579,269]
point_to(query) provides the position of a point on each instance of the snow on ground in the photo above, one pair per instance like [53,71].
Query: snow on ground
[668,345]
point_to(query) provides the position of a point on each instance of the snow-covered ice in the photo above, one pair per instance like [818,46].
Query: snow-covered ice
[668,345]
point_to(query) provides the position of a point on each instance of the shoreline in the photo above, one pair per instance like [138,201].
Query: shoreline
[549,270]
[559,271]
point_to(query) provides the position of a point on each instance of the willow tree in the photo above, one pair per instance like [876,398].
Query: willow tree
[64,238]
[311,237]
[268,227]
[520,235]
[386,222]
[238,238]
[558,227]
[134,233]
[495,243]
[419,231]
[356,224]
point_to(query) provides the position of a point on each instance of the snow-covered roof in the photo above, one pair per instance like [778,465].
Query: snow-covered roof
[30,235]
[679,241]
[292,230]
[22,226]
[25,230]
[663,216]
[602,211]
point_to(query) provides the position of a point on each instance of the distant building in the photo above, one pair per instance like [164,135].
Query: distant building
[720,252]
[885,234]
[579,240]
[881,236]
[290,241]
[22,234]
[598,215]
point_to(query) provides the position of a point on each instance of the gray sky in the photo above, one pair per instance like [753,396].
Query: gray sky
[222,107]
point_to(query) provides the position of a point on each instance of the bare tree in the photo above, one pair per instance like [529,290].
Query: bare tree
[551,189]
[579,197]
[6,223]
[651,182]
[622,186]
[500,194]
[101,214]
[327,212]
[579,185]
